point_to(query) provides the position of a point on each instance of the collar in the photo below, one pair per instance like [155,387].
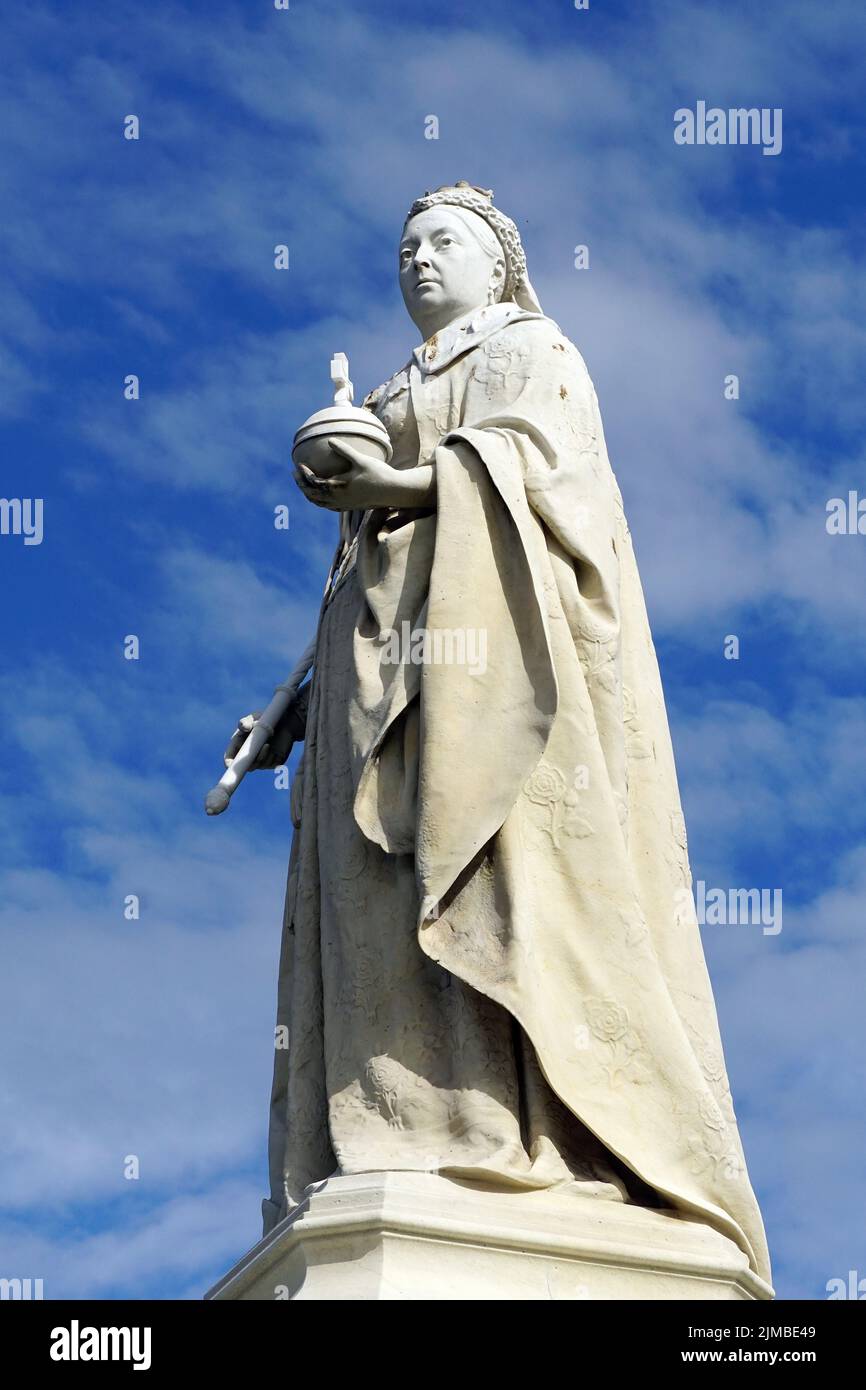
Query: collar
[466,332]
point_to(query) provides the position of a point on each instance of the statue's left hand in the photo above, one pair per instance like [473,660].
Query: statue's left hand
[369,482]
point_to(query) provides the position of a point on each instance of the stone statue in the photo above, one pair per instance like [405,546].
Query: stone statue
[491,966]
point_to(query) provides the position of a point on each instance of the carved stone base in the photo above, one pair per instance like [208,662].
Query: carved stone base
[421,1236]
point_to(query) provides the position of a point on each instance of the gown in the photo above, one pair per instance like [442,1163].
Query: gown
[390,1062]
[491,962]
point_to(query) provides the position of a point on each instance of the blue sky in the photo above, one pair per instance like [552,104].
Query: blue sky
[155,257]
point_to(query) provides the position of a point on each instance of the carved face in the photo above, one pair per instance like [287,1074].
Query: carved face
[445,269]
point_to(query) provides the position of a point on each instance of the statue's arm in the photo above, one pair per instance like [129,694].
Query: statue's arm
[369,482]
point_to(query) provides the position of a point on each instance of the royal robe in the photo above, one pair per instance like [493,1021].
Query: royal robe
[491,962]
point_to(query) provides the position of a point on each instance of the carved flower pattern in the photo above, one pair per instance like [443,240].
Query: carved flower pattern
[618,1058]
[714,1151]
[359,992]
[639,746]
[387,1079]
[711,1061]
[711,1113]
[546,785]
[599,665]
[502,361]
[635,926]
[607,1019]
[558,803]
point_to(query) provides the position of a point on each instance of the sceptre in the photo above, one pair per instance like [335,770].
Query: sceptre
[261,733]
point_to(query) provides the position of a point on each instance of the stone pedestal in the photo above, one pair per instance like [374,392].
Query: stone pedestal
[419,1236]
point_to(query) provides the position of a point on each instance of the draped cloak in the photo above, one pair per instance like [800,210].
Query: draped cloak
[533,794]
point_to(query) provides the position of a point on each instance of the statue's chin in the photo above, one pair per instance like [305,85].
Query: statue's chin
[429,321]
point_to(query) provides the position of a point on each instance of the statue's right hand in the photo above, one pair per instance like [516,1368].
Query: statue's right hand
[270,755]
[240,736]
[290,730]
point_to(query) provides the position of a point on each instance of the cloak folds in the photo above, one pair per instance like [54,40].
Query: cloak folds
[539,795]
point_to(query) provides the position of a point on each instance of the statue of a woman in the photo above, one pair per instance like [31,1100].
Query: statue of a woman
[491,965]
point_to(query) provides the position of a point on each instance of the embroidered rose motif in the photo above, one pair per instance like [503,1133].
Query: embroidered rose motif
[388,1079]
[607,1019]
[503,365]
[548,789]
[360,991]
[599,665]
[546,785]
[711,1062]
[639,746]
[712,1150]
[731,1166]
[618,1058]
[583,432]
[723,1162]
[711,1114]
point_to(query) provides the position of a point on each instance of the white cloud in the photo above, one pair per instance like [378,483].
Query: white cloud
[187,1240]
